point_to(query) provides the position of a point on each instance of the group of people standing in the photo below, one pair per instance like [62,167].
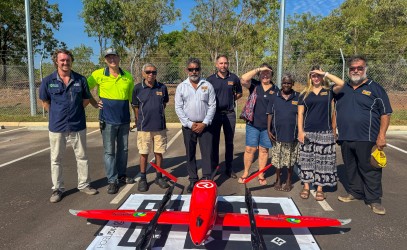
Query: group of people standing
[297,127]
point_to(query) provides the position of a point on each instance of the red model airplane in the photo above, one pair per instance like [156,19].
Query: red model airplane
[203,215]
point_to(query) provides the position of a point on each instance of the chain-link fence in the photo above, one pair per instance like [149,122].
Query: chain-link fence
[15,99]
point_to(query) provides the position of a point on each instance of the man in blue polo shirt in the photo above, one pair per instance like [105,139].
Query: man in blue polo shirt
[65,95]
[115,88]
[149,100]
[228,89]
[363,117]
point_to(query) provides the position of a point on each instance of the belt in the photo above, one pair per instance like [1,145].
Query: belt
[225,112]
[198,122]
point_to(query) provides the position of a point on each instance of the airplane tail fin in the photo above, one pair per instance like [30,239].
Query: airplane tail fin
[173,178]
[257,173]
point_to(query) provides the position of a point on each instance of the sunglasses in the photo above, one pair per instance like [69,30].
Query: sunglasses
[150,72]
[360,68]
[287,83]
[194,69]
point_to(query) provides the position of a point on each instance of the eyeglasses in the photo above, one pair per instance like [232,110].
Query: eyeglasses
[194,69]
[359,68]
[288,83]
[150,72]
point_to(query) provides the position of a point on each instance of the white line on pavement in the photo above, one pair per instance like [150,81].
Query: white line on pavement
[122,193]
[399,149]
[125,190]
[29,155]
[325,206]
[8,131]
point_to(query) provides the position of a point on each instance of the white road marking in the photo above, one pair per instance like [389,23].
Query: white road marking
[325,206]
[125,190]
[8,131]
[399,149]
[35,153]
[123,193]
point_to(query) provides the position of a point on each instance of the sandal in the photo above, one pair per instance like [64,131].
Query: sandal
[262,181]
[305,193]
[241,180]
[319,196]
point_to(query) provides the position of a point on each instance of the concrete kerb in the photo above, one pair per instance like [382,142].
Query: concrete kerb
[392,129]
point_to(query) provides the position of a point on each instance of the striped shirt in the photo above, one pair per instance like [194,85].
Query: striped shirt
[195,105]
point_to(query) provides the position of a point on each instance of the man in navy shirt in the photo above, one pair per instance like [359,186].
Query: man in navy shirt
[228,89]
[65,94]
[149,100]
[363,117]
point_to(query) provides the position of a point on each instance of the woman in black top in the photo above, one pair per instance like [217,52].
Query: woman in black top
[317,157]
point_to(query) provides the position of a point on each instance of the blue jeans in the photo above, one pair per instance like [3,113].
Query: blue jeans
[115,160]
[257,137]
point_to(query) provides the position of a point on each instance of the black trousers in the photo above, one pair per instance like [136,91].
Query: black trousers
[205,144]
[228,121]
[365,181]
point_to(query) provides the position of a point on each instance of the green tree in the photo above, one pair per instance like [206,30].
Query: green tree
[131,26]
[83,63]
[228,26]
[102,20]
[45,18]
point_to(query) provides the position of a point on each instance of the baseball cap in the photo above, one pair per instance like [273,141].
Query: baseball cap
[378,158]
[110,51]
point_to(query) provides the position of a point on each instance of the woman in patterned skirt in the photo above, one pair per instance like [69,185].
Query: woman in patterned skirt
[317,156]
[282,130]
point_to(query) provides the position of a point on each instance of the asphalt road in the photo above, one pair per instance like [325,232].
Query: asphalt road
[29,221]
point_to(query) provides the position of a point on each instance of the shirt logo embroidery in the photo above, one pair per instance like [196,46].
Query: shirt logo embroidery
[53,85]
[270,92]
[294,102]
[324,93]
[77,84]
[204,88]
[159,93]
[230,83]
[365,92]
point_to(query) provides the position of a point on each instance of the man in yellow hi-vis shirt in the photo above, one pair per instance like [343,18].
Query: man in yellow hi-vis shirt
[115,88]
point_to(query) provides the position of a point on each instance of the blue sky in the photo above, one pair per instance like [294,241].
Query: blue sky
[72,30]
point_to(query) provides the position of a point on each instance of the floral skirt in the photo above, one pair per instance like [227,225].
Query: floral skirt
[284,154]
[317,159]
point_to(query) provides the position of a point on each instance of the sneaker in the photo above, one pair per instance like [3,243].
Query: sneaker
[161,182]
[229,173]
[190,187]
[142,185]
[112,188]
[56,196]
[126,180]
[347,198]
[89,190]
[377,208]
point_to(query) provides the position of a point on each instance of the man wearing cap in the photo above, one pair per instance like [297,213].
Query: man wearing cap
[228,89]
[363,117]
[65,94]
[149,100]
[115,87]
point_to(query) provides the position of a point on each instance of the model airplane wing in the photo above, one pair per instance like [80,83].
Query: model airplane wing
[224,219]
[143,217]
[278,221]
